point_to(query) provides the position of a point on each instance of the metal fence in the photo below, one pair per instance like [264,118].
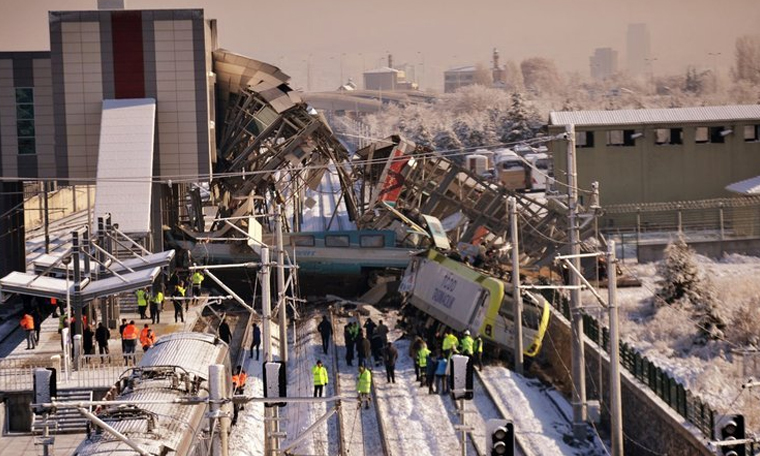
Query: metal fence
[92,371]
[672,392]
[720,218]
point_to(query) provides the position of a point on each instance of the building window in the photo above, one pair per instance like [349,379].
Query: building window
[25,121]
[751,133]
[584,139]
[620,138]
[701,135]
[716,135]
[668,136]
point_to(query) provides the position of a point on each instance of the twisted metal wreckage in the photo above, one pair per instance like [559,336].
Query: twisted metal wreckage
[274,149]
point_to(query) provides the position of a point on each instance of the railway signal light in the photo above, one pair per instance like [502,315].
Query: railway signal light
[732,428]
[500,438]
[275,383]
[461,378]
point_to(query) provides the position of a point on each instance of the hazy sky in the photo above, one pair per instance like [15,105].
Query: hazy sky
[440,33]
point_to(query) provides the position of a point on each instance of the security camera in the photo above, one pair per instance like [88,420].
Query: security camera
[562,136]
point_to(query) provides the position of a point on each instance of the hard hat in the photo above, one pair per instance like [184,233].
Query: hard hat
[466,332]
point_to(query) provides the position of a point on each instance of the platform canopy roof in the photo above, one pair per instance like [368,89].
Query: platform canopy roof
[160,259]
[51,287]
[749,186]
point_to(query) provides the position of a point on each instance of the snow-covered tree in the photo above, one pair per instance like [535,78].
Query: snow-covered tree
[683,285]
[447,142]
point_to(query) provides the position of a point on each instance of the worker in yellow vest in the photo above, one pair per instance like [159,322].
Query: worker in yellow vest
[142,302]
[320,378]
[467,344]
[363,386]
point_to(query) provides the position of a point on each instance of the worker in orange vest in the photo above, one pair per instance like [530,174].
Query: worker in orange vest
[238,380]
[27,323]
[129,337]
[147,338]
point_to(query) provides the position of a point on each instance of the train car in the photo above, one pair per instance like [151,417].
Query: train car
[463,298]
[175,367]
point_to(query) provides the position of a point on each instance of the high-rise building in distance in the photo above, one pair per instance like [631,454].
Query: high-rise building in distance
[638,49]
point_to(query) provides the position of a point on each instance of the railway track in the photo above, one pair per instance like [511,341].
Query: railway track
[493,409]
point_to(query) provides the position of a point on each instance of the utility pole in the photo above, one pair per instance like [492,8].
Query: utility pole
[281,300]
[517,310]
[616,413]
[576,317]
[270,443]
[46,216]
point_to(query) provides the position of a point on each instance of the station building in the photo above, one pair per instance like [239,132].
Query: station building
[660,155]
[133,90]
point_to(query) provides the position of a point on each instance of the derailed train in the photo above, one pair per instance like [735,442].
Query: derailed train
[463,298]
[176,367]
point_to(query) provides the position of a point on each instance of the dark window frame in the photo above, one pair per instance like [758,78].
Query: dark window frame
[697,131]
[755,129]
[371,238]
[26,137]
[588,137]
[302,240]
[330,240]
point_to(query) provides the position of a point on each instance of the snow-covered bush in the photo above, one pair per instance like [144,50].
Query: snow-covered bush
[682,285]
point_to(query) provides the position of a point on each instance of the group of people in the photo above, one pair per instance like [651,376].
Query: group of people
[432,368]
[131,335]
[154,302]
[369,348]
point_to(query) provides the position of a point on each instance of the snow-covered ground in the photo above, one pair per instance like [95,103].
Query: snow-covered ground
[665,335]
[416,423]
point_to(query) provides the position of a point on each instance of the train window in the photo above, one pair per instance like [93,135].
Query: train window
[531,315]
[334,240]
[372,240]
[302,241]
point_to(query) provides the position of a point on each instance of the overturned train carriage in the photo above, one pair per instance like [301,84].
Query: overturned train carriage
[176,367]
[465,299]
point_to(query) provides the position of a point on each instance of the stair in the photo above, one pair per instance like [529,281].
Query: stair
[65,420]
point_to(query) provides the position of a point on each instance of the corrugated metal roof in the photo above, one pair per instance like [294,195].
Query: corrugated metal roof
[749,186]
[656,116]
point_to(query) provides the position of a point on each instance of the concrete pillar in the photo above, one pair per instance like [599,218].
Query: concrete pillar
[12,226]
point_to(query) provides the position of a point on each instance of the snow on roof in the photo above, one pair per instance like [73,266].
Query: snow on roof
[384,69]
[463,69]
[749,186]
[655,116]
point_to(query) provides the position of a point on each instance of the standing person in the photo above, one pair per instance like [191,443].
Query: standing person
[224,331]
[129,337]
[27,323]
[238,380]
[390,355]
[421,362]
[156,304]
[414,349]
[88,337]
[142,302]
[449,344]
[102,334]
[256,340]
[382,331]
[467,344]
[376,346]
[369,327]
[37,316]
[479,351]
[197,280]
[440,374]
[320,378]
[121,333]
[364,349]
[147,338]
[177,295]
[431,364]
[325,330]
[350,342]
[363,386]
